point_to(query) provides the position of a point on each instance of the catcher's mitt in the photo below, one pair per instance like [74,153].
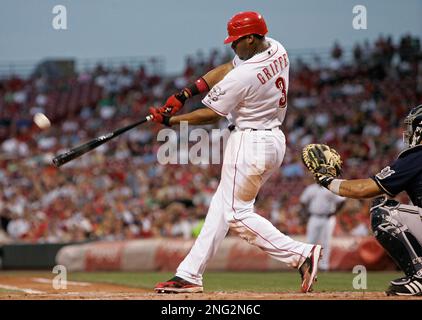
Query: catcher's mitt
[321,159]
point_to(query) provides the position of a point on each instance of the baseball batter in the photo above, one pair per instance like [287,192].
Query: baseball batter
[397,227]
[321,205]
[251,92]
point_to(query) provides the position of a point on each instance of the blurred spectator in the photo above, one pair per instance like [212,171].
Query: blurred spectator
[120,191]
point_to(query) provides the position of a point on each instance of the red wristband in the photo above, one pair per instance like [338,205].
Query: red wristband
[202,85]
[197,87]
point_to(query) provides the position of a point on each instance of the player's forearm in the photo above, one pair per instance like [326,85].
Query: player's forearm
[197,117]
[358,188]
[217,74]
[201,85]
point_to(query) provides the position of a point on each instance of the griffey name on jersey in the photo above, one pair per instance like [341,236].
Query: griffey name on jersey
[272,70]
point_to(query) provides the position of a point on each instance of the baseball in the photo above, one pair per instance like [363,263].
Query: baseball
[41,120]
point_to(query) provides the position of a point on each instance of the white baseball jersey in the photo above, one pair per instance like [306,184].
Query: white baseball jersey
[320,201]
[254,94]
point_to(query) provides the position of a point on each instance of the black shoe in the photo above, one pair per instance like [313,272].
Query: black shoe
[401,281]
[308,269]
[406,286]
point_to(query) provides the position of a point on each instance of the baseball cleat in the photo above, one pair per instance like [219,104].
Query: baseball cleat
[401,281]
[407,286]
[178,285]
[309,268]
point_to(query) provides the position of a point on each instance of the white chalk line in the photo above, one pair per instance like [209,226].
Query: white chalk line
[49,281]
[25,290]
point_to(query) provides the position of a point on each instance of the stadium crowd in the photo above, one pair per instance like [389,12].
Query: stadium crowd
[120,190]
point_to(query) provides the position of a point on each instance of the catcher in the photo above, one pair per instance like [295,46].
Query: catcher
[397,227]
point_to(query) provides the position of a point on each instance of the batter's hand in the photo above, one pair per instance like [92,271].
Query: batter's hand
[160,117]
[174,103]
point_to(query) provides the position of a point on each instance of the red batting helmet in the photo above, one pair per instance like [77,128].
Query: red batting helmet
[245,23]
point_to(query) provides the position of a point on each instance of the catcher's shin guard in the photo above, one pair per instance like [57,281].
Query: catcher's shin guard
[395,237]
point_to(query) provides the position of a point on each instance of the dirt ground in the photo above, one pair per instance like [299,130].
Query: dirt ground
[16,287]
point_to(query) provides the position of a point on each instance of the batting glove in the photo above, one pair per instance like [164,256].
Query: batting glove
[174,103]
[323,178]
[159,117]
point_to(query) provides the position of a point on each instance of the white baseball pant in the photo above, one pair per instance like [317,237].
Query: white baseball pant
[320,230]
[249,160]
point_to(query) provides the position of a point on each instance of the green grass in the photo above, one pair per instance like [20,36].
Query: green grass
[4,291]
[244,281]
[230,281]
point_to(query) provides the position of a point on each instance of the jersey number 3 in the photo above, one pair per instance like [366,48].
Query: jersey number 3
[281,85]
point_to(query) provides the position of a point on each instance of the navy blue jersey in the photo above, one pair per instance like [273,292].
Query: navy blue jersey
[405,174]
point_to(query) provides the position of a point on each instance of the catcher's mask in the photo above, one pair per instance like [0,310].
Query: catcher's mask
[412,134]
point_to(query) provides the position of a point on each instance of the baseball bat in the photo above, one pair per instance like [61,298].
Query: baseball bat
[94,143]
